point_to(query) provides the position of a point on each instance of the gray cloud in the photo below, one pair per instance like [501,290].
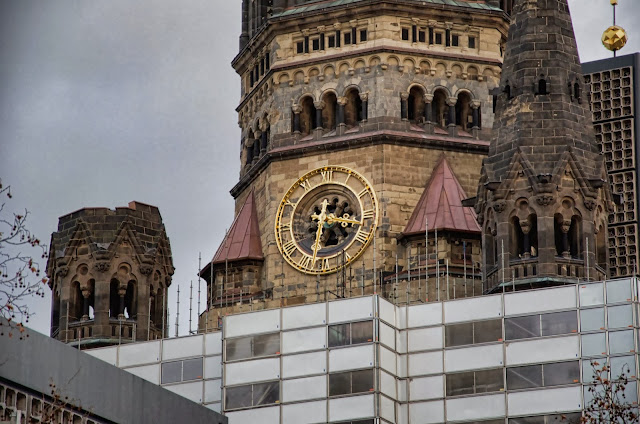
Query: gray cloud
[109,101]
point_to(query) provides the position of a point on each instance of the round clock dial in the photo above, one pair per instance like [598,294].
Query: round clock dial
[326,220]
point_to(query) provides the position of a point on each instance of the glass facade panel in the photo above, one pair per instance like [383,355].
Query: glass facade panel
[619,291]
[171,372]
[266,393]
[192,369]
[522,327]
[460,384]
[591,294]
[361,381]
[238,348]
[589,367]
[362,332]
[621,342]
[620,316]
[489,381]
[339,384]
[339,335]
[592,319]
[559,323]
[266,344]
[594,344]
[459,334]
[561,373]
[237,397]
[524,377]
[487,331]
[527,420]
[575,418]
[620,364]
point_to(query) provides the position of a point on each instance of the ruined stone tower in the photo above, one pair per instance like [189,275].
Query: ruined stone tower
[109,271]
[355,103]
[543,196]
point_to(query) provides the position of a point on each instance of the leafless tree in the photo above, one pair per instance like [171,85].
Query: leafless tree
[20,276]
[609,403]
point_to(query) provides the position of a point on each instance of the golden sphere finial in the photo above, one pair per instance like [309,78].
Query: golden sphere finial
[614,2]
[614,38]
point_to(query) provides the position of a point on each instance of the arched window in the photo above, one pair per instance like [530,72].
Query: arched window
[464,116]
[55,310]
[330,111]
[490,247]
[353,108]
[542,86]
[415,104]
[114,299]
[76,303]
[440,108]
[507,91]
[307,116]
[131,300]
[249,148]
[576,91]
[601,248]
[568,236]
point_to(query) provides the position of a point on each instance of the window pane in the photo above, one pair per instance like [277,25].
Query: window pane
[487,331]
[237,397]
[238,348]
[362,381]
[620,364]
[192,369]
[524,377]
[339,335]
[619,291]
[590,368]
[522,327]
[620,316]
[489,381]
[594,344]
[459,334]
[266,393]
[591,294]
[621,342]
[592,319]
[460,384]
[362,332]
[527,420]
[561,373]
[171,372]
[559,323]
[267,344]
[339,384]
[574,418]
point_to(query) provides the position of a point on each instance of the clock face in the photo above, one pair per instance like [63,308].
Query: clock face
[326,220]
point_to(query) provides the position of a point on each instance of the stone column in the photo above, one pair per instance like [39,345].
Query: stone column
[404,106]
[340,127]
[475,109]
[451,102]
[319,106]
[122,291]
[428,113]
[364,97]
[525,226]
[244,35]
[264,141]
[296,109]
[86,292]
[248,145]
[143,301]
[101,301]
[565,227]
[256,146]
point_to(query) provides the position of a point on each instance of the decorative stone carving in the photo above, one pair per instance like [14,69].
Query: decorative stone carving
[500,206]
[146,269]
[544,200]
[102,266]
[590,204]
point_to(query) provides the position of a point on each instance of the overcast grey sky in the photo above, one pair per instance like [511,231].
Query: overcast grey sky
[109,101]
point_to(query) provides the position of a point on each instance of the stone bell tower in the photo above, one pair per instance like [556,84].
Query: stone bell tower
[543,196]
[109,271]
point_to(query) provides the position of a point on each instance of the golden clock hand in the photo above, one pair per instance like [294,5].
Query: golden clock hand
[321,219]
[332,218]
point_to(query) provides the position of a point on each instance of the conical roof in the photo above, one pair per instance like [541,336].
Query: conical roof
[542,120]
[441,205]
[243,239]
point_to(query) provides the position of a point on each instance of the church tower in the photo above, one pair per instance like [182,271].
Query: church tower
[347,110]
[543,196]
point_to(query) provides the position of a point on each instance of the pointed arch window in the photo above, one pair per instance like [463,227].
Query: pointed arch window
[464,116]
[330,111]
[353,108]
[440,112]
[307,116]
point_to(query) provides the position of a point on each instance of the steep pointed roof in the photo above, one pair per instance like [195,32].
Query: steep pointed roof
[243,239]
[441,205]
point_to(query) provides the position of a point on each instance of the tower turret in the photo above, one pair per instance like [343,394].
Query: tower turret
[543,194]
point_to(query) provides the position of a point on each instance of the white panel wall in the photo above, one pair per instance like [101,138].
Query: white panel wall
[212,391]
[554,299]
[304,340]
[542,350]
[591,294]
[403,414]
[182,347]
[403,391]
[250,371]
[107,354]
[475,408]
[350,408]
[355,309]
[427,412]
[402,341]
[387,409]
[425,315]
[139,353]
[252,323]
[148,372]
[473,309]
[387,311]
[213,343]
[304,413]
[304,388]
[349,358]
[425,339]
[388,360]
[426,363]
[388,385]
[387,335]
[305,364]
[269,415]
[545,401]
[213,367]
[473,358]
[425,388]
[192,391]
[401,317]
[304,316]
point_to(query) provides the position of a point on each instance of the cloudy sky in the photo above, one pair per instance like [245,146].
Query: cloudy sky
[109,101]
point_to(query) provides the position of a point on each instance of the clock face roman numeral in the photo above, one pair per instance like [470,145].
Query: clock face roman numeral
[363,192]
[286,226]
[327,176]
[290,203]
[361,237]
[325,264]
[289,248]
[304,261]
[367,214]
[307,185]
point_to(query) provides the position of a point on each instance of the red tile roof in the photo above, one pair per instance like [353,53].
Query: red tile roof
[243,239]
[441,205]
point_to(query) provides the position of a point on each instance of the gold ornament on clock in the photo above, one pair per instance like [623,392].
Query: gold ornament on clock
[326,220]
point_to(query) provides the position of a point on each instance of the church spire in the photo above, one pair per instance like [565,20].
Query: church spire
[543,193]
